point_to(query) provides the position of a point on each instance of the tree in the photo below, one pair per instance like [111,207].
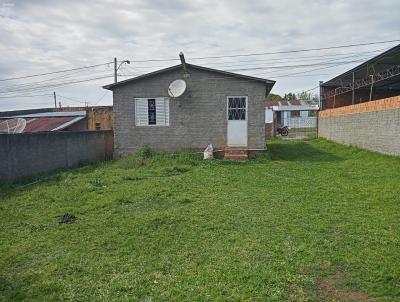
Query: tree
[309,97]
[290,96]
[274,97]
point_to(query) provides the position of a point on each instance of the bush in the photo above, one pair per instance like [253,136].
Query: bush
[146,152]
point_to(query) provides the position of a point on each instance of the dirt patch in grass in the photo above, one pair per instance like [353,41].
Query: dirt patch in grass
[175,170]
[133,178]
[67,218]
[328,288]
[337,234]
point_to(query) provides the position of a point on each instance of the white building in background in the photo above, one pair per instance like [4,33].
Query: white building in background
[294,114]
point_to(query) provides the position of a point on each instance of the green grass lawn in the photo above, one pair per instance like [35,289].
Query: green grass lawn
[309,221]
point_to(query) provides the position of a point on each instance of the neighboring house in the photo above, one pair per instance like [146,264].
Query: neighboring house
[294,113]
[95,118]
[219,108]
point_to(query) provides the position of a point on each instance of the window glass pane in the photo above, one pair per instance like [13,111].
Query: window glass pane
[151,107]
[237,103]
[242,114]
[236,108]
[230,103]
[242,103]
[236,114]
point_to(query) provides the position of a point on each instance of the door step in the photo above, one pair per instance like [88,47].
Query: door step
[236,153]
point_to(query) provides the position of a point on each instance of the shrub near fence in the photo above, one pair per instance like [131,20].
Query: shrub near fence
[28,154]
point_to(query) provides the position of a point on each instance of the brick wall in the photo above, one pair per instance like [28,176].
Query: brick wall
[373,125]
[197,119]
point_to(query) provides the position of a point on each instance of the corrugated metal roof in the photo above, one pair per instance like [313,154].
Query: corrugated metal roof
[43,124]
[293,105]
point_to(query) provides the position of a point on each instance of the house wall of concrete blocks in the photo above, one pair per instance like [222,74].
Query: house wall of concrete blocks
[373,125]
[197,118]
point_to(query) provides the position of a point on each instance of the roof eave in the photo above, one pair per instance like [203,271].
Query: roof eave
[231,74]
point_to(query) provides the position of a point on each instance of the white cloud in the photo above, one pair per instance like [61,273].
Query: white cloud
[43,36]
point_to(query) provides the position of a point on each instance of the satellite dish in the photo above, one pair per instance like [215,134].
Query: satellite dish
[12,126]
[177,88]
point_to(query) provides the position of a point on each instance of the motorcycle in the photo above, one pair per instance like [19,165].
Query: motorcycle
[283,131]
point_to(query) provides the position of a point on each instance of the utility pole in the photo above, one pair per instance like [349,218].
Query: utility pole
[372,84]
[55,99]
[352,92]
[320,95]
[115,70]
[117,67]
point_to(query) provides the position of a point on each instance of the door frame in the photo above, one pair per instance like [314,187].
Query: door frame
[247,119]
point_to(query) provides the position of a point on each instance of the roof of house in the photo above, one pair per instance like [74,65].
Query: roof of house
[292,105]
[53,114]
[269,103]
[147,75]
[49,121]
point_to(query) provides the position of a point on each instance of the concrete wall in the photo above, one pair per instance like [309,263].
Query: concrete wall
[28,154]
[197,118]
[269,131]
[373,125]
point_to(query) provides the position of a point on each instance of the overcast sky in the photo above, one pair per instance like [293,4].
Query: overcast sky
[44,36]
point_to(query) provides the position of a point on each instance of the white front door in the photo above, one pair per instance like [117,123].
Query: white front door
[237,121]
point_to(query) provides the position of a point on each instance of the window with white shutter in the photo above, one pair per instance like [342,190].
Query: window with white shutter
[152,112]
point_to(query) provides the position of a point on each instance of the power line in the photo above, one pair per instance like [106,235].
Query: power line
[25,96]
[280,60]
[70,99]
[53,72]
[58,84]
[272,53]
[98,101]
[47,81]
[293,66]
[30,86]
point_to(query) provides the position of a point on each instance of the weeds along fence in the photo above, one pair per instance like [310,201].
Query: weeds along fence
[28,154]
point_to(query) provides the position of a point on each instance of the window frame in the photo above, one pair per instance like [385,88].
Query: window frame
[166,99]
[227,106]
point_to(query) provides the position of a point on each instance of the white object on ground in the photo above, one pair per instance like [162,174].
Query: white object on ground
[208,152]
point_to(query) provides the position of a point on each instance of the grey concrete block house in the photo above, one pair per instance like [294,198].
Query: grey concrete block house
[219,108]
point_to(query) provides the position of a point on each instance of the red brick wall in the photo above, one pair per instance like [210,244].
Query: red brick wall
[392,102]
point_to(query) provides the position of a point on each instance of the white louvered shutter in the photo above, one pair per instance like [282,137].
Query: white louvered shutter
[141,112]
[162,111]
